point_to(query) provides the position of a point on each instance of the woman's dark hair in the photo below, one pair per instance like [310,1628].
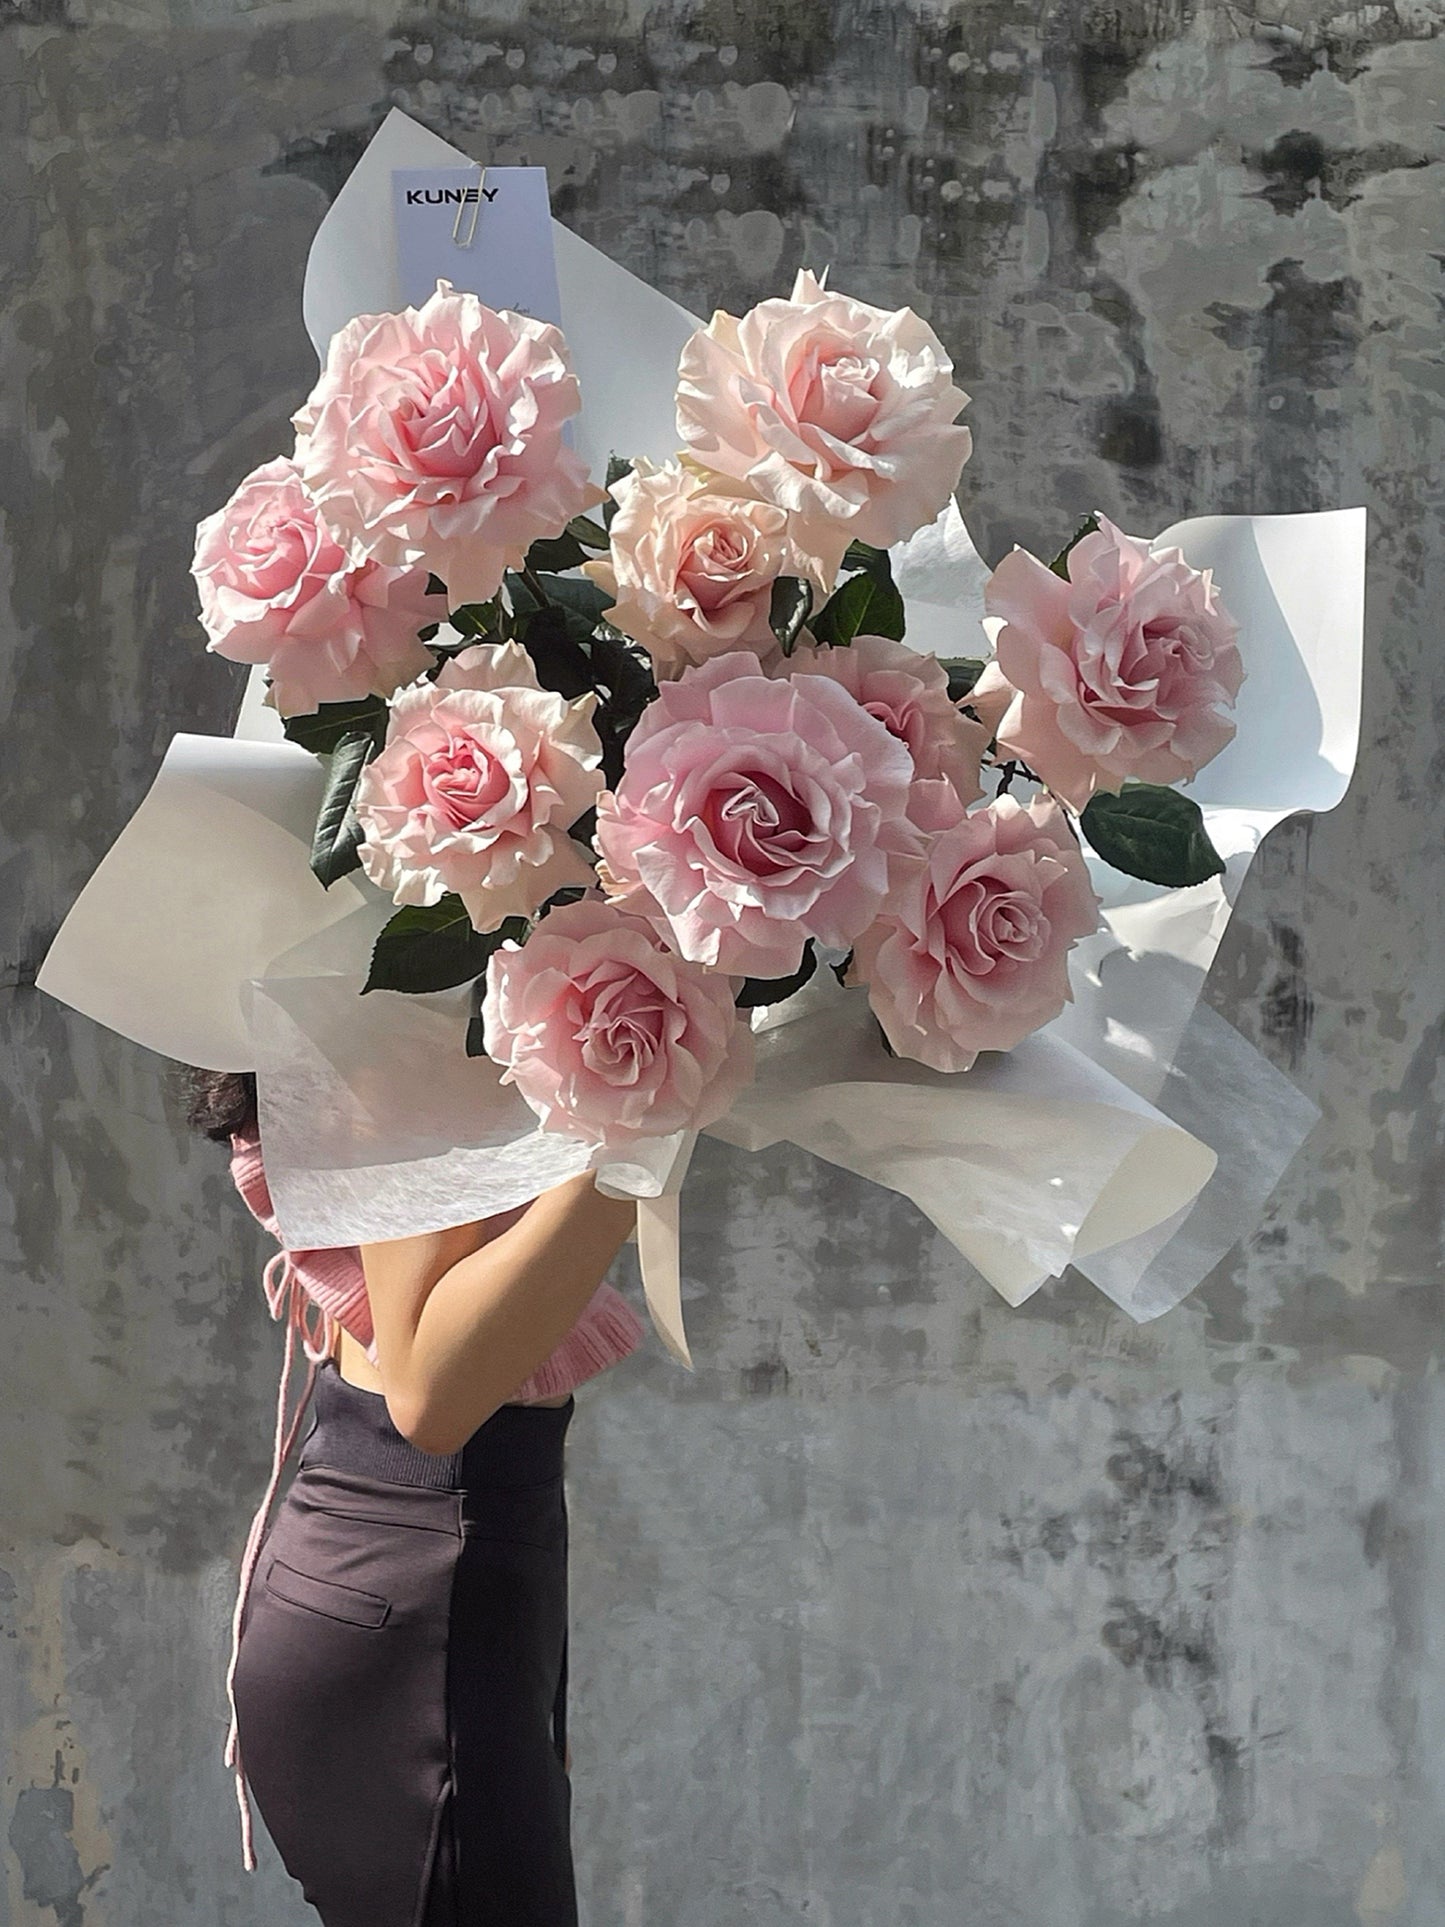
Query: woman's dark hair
[219,1103]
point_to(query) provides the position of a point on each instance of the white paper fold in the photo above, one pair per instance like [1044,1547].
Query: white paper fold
[208,885]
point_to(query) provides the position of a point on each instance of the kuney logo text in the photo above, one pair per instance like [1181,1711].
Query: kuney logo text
[448,196]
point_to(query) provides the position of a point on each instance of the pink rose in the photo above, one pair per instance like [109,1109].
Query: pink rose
[607,1033]
[276,587]
[1127,669]
[908,693]
[693,561]
[754,813]
[482,774]
[436,434]
[834,410]
[971,953]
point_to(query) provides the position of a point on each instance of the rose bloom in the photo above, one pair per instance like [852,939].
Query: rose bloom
[755,812]
[481,775]
[908,693]
[833,409]
[276,587]
[436,433]
[1127,669]
[971,952]
[607,1033]
[693,561]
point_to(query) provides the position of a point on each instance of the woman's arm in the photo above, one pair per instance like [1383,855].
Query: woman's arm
[460,1326]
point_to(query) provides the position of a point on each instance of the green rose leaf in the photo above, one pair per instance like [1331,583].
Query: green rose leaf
[550,637]
[477,619]
[336,844]
[866,604]
[590,534]
[577,594]
[1060,563]
[792,599]
[863,555]
[772,990]
[963,673]
[622,674]
[1154,833]
[434,947]
[556,552]
[841,616]
[322,729]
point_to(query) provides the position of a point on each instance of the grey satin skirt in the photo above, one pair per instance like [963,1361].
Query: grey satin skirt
[401,1679]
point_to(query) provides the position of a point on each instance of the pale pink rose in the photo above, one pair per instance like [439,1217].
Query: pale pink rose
[755,812]
[693,561]
[833,409]
[276,587]
[607,1033]
[971,953]
[482,773]
[1127,669]
[908,693]
[435,434]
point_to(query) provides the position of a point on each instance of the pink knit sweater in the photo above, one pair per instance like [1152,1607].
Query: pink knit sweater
[318,1292]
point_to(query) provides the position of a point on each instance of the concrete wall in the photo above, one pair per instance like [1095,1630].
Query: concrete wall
[906,1610]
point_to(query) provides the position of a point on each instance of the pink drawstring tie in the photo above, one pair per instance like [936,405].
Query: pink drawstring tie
[287,1298]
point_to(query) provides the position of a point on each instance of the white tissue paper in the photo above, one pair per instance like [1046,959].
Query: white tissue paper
[1136,1138]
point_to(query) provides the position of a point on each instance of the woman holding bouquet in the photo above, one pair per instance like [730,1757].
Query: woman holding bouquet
[399,1678]
[626,799]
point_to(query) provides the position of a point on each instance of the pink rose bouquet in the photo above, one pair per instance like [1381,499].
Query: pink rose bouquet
[629,777]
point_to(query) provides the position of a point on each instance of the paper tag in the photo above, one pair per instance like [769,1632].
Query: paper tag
[510,262]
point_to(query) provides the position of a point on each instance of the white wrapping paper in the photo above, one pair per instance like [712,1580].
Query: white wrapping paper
[204,934]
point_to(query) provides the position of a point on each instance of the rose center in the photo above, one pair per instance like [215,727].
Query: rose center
[620,1027]
[757,824]
[445,423]
[279,549]
[836,393]
[715,565]
[987,924]
[463,780]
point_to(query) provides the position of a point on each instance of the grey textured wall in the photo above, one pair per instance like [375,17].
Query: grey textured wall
[907,1608]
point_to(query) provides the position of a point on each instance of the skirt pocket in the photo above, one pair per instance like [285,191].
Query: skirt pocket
[326,1596]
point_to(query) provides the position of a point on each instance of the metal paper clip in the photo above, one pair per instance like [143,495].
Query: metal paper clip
[475,207]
